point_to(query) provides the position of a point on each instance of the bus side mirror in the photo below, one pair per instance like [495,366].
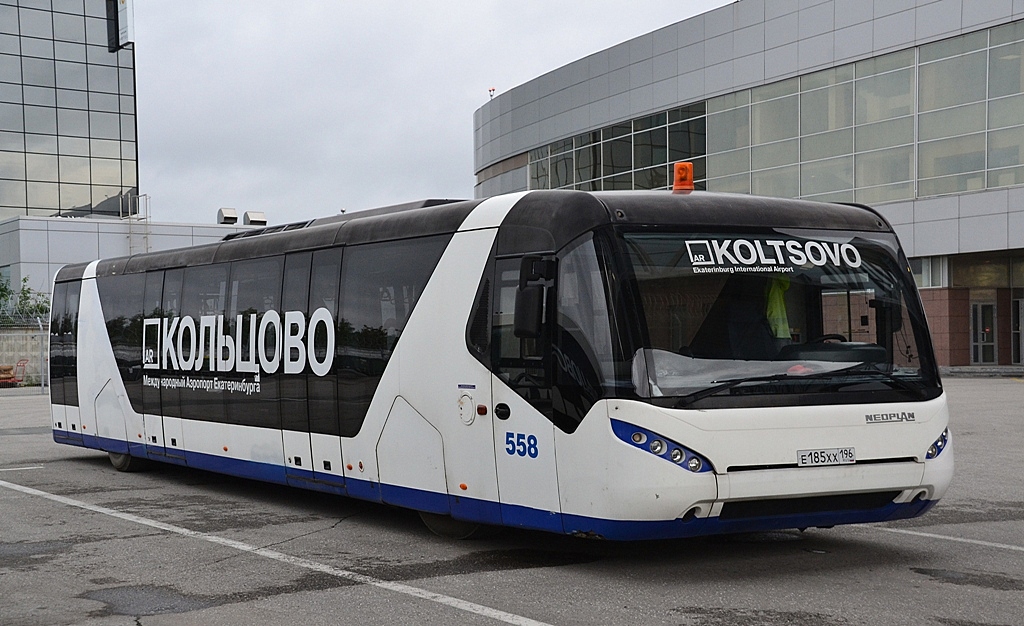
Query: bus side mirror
[529,312]
[888,314]
[529,315]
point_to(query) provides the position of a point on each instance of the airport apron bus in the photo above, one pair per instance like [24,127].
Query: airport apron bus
[619,365]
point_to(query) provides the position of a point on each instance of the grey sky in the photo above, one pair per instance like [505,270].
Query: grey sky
[302,108]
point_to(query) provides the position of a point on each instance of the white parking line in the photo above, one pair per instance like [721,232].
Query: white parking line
[18,469]
[462,605]
[977,542]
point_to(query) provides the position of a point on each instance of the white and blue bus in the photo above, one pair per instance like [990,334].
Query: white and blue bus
[625,365]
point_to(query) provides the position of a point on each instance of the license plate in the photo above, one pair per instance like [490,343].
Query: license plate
[825,456]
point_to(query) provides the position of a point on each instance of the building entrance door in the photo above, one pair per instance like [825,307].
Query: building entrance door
[983,333]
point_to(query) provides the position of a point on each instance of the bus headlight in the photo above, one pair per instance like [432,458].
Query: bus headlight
[936,448]
[660,446]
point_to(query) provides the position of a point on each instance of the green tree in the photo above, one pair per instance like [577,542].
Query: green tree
[24,301]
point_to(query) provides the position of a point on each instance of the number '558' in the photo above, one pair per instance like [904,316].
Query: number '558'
[521,444]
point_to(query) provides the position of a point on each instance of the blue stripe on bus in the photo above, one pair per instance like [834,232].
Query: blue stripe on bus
[489,512]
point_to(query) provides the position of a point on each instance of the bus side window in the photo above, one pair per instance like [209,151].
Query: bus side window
[517,361]
[324,283]
[295,293]
[255,288]
[57,373]
[380,286]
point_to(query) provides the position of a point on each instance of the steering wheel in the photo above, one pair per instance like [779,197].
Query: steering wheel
[824,338]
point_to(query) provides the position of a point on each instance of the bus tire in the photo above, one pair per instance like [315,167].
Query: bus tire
[450,528]
[126,462]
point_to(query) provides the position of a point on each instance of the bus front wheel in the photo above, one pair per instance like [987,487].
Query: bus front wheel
[451,528]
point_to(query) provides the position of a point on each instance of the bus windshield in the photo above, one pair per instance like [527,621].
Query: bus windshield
[785,311]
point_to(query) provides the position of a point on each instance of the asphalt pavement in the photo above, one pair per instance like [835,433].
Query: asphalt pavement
[83,544]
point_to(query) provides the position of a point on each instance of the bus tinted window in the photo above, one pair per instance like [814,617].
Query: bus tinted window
[380,286]
[121,300]
[60,296]
[203,295]
[325,281]
[152,309]
[255,289]
[69,330]
[294,415]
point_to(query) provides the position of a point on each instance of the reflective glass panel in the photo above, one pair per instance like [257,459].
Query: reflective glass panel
[826,145]
[885,193]
[826,109]
[1006,70]
[106,172]
[73,122]
[686,140]
[12,165]
[106,148]
[885,96]
[102,78]
[12,193]
[953,46]
[71,75]
[69,28]
[72,146]
[96,31]
[561,170]
[951,82]
[71,99]
[66,51]
[775,120]
[104,125]
[44,96]
[8,19]
[1005,147]
[74,169]
[652,178]
[104,102]
[10,93]
[782,182]
[884,134]
[46,144]
[617,156]
[775,154]
[726,163]
[10,69]
[737,183]
[129,174]
[650,148]
[960,120]
[588,162]
[43,196]
[951,156]
[36,23]
[824,78]
[729,130]
[1006,112]
[884,166]
[37,72]
[32,47]
[889,62]
[826,176]
[41,167]
[41,120]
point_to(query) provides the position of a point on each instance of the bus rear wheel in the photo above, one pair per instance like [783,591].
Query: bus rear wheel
[126,462]
[450,528]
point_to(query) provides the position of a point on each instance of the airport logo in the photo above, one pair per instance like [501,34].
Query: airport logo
[271,344]
[770,254]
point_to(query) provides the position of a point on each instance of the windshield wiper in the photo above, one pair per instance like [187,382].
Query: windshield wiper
[859,368]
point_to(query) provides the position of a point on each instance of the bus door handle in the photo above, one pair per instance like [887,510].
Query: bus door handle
[501,411]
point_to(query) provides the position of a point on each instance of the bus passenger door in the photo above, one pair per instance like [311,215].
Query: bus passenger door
[524,440]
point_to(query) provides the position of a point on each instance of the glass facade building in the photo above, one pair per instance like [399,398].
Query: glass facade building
[67,110]
[915,108]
